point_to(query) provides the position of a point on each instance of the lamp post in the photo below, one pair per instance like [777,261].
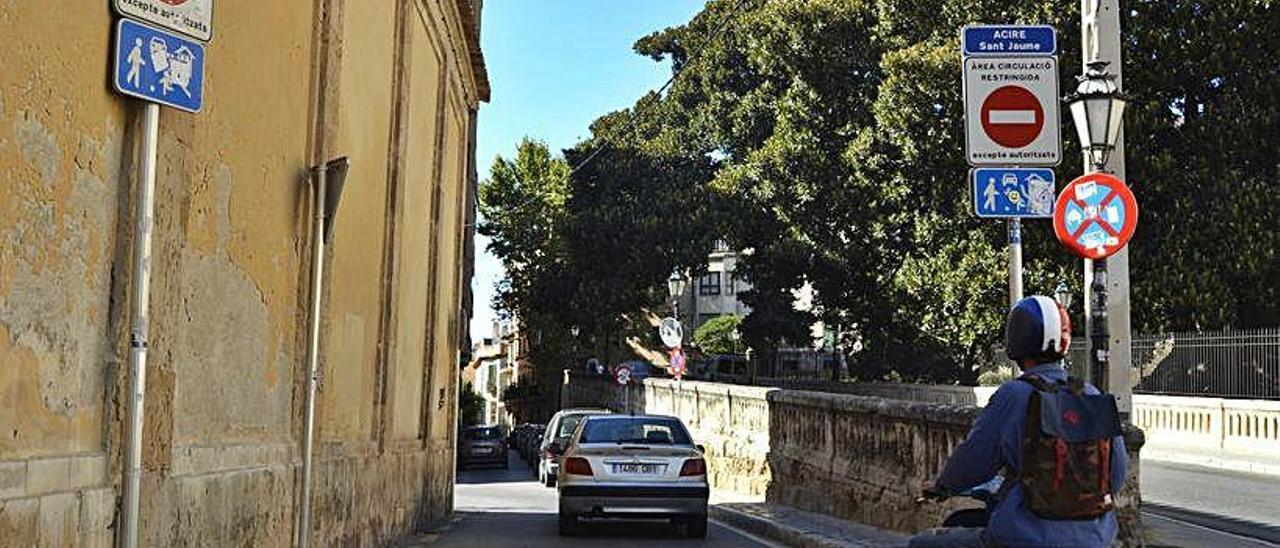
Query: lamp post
[1062,294]
[675,289]
[1097,108]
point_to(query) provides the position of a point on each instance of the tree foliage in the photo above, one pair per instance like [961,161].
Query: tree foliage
[827,137]
[719,335]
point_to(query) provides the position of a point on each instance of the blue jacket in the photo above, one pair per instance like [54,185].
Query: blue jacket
[994,444]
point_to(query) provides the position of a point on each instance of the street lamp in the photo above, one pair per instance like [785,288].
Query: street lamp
[675,284]
[1062,294]
[1098,111]
[675,288]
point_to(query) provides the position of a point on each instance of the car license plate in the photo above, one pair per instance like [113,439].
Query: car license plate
[481,450]
[637,468]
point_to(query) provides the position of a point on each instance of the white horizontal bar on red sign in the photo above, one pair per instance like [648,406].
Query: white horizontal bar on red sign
[1012,117]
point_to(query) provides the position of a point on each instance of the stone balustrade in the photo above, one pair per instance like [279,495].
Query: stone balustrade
[861,458]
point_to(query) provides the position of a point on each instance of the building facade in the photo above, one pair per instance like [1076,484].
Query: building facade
[392,85]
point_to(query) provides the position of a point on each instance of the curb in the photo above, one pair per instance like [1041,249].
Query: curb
[782,533]
[1215,462]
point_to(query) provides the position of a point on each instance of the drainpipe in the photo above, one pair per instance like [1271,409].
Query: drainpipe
[140,325]
[328,180]
[320,174]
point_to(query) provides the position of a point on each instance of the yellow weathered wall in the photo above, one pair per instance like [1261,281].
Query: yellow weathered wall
[60,161]
[284,88]
[422,128]
[356,283]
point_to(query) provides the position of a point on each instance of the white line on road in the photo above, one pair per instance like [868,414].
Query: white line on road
[1210,529]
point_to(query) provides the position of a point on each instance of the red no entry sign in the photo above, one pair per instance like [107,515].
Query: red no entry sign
[1095,216]
[1011,111]
[1012,116]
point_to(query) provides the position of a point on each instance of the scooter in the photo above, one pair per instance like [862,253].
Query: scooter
[968,517]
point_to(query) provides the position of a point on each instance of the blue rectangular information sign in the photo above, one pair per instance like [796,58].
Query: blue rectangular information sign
[1007,40]
[158,66]
[1013,192]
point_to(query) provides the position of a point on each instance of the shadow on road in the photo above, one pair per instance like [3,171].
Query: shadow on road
[517,470]
[1236,526]
[470,529]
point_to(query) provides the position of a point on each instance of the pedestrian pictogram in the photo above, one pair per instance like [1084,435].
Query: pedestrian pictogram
[158,66]
[1012,192]
[1095,215]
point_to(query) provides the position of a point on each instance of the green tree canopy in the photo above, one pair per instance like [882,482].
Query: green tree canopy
[718,335]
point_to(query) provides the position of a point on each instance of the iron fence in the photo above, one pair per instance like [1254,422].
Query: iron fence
[1241,363]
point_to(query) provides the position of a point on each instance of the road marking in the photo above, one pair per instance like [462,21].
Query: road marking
[760,540]
[1210,529]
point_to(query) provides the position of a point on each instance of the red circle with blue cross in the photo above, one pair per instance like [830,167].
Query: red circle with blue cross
[1095,215]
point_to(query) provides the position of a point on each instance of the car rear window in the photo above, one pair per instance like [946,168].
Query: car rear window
[646,430]
[482,434]
[568,424]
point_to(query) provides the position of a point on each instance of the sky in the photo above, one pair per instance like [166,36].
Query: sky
[554,66]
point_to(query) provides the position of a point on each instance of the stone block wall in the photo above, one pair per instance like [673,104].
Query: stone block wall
[860,458]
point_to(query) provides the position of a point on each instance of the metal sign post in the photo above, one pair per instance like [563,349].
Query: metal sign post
[160,68]
[1095,217]
[140,324]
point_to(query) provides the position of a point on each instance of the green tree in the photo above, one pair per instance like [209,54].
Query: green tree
[470,406]
[719,335]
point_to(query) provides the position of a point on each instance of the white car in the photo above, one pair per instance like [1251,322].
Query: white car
[633,467]
[554,440]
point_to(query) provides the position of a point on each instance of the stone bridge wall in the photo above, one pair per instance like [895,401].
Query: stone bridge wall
[859,458]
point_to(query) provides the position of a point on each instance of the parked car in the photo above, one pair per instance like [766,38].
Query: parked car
[554,439]
[482,445]
[532,446]
[633,466]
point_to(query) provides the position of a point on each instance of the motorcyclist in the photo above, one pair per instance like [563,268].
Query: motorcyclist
[1038,332]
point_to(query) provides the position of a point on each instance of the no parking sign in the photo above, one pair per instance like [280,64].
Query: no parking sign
[1095,216]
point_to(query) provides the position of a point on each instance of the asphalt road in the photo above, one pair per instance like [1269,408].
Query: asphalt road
[1196,506]
[507,508]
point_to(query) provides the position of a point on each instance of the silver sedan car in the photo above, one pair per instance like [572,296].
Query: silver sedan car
[633,467]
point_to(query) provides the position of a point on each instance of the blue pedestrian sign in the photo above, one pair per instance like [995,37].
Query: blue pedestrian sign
[1005,40]
[1011,192]
[158,66]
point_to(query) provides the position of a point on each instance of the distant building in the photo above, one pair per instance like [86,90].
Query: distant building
[493,370]
[715,292]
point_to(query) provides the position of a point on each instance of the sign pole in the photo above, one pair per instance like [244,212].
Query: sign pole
[140,324]
[1015,261]
[1100,30]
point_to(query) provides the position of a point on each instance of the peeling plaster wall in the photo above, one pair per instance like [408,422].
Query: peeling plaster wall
[285,88]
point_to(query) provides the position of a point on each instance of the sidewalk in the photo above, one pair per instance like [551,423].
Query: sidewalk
[792,527]
[1221,460]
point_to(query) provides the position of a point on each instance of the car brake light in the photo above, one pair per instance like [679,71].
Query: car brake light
[694,467]
[577,466]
